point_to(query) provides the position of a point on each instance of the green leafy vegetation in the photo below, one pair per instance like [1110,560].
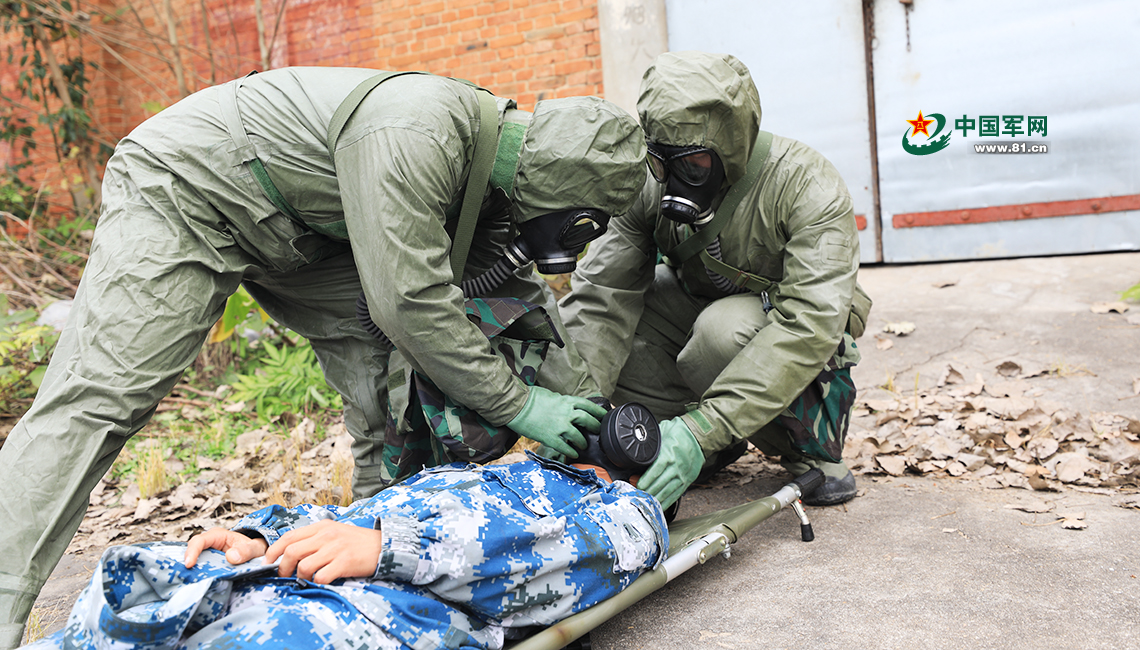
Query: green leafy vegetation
[1132,293]
[25,349]
[287,378]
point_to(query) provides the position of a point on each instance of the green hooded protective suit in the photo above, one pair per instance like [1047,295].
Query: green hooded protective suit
[184,223]
[664,334]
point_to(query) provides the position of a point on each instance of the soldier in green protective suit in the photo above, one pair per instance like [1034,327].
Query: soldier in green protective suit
[746,331]
[240,184]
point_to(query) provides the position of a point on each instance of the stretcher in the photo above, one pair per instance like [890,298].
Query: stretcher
[692,542]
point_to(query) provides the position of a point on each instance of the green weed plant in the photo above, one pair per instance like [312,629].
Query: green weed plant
[25,349]
[1132,293]
[287,379]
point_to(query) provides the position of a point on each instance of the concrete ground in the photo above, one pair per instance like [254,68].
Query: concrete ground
[939,563]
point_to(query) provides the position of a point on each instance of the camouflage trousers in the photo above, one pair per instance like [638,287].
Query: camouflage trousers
[470,555]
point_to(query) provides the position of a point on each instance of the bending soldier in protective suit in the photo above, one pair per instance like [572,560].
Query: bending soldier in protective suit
[746,331]
[240,184]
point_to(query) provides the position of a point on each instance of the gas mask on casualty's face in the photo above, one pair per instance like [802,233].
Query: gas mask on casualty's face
[692,176]
[626,445]
[554,240]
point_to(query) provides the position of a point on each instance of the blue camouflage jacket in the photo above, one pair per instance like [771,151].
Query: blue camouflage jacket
[468,554]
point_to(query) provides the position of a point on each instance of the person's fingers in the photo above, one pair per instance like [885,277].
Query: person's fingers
[193,550]
[574,438]
[560,446]
[298,547]
[326,558]
[213,538]
[283,542]
[596,410]
[652,476]
[242,551]
[584,420]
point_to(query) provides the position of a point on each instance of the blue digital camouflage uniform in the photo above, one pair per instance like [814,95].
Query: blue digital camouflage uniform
[468,554]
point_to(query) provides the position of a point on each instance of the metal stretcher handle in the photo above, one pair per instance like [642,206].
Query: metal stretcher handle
[692,541]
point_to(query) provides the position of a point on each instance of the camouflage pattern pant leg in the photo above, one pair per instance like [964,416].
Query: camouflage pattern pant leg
[160,270]
[468,551]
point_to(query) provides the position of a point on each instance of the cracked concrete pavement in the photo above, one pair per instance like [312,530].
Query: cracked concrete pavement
[914,560]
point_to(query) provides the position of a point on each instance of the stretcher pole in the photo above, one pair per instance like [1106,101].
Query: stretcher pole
[691,542]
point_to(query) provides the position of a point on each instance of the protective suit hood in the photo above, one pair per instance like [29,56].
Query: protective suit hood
[705,100]
[580,152]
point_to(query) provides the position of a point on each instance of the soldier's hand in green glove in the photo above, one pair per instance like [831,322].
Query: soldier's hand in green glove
[677,465]
[556,420]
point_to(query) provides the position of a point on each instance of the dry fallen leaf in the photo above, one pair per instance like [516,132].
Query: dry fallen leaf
[1074,524]
[894,465]
[1042,448]
[942,284]
[883,343]
[1035,506]
[1136,386]
[1009,368]
[1105,307]
[901,328]
[950,376]
[1073,468]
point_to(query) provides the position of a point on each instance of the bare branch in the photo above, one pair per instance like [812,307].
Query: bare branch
[209,43]
[175,54]
[257,10]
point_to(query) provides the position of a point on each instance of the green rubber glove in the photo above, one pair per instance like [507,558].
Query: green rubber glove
[555,420]
[677,465]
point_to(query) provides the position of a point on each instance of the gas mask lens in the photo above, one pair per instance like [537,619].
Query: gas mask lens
[692,165]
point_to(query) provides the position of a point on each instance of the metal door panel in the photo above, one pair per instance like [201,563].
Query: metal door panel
[808,64]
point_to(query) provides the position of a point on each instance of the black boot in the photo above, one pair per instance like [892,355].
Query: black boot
[833,492]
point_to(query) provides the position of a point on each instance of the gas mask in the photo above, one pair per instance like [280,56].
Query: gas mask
[692,176]
[627,443]
[554,240]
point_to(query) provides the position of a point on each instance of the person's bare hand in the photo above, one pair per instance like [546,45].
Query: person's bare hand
[237,547]
[327,550]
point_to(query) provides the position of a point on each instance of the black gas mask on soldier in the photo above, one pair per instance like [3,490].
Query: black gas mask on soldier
[692,176]
[554,241]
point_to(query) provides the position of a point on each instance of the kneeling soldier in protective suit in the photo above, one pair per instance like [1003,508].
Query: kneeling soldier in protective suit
[726,299]
[266,181]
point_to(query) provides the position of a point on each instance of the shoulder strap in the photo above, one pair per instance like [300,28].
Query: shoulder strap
[351,103]
[483,159]
[705,236]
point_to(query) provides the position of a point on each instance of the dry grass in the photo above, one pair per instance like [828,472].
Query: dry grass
[37,625]
[151,471]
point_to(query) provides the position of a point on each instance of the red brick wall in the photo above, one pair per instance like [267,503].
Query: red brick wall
[525,49]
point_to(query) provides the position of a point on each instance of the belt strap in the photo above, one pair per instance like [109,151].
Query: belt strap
[698,242]
[750,281]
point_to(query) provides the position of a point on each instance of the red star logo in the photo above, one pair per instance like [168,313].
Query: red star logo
[920,125]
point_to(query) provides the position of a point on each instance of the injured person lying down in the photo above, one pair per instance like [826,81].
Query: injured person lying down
[457,556]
